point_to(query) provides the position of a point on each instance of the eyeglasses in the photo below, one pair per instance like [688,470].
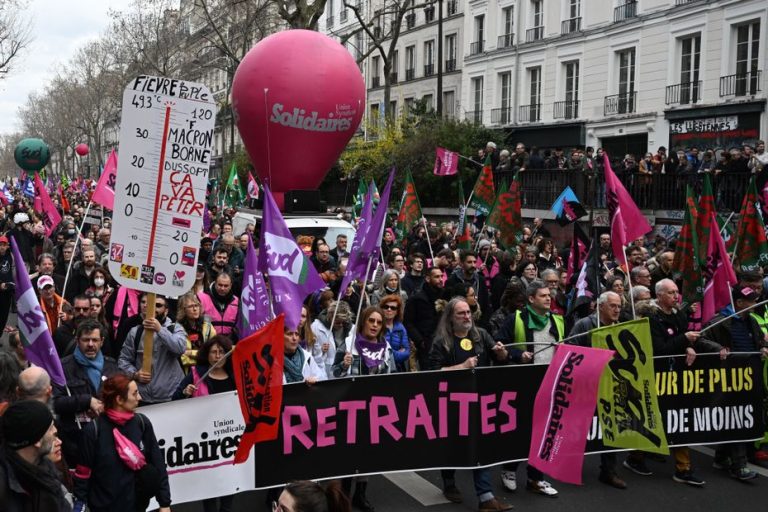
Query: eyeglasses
[88,308]
[389,307]
[374,321]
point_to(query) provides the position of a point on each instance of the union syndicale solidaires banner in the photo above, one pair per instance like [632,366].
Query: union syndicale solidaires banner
[427,420]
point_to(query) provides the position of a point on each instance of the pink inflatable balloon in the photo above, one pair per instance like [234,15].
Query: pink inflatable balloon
[298,97]
[81,149]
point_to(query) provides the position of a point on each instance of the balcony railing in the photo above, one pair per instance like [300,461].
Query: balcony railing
[566,109]
[570,26]
[625,11]
[742,84]
[429,13]
[506,41]
[452,7]
[410,21]
[534,34]
[410,74]
[329,21]
[375,81]
[393,78]
[450,65]
[683,2]
[343,16]
[429,69]
[540,188]
[476,47]
[476,116]
[529,113]
[620,103]
[501,115]
[684,93]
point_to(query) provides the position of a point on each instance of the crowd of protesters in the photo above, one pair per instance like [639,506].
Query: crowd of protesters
[430,306]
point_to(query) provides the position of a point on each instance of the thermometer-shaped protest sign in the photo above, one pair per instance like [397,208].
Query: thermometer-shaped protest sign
[166,140]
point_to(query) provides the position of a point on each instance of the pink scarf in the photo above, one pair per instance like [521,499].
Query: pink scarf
[128,452]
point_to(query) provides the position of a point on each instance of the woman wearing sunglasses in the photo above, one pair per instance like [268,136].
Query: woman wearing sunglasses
[394,330]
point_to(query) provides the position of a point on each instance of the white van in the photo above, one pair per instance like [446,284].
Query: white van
[323,226]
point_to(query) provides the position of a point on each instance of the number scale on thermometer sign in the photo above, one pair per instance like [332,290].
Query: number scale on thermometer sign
[166,140]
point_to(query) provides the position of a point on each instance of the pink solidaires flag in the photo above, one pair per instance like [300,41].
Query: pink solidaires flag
[105,188]
[627,221]
[46,208]
[563,410]
[446,162]
[718,275]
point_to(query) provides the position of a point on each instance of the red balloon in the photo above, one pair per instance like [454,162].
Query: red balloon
[81,149]
[298,97]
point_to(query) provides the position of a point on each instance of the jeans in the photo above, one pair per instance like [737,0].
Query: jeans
[482,481]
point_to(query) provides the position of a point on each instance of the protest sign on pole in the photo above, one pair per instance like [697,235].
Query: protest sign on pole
[166,137]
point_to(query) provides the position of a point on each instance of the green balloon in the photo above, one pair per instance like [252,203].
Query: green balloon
[32,154]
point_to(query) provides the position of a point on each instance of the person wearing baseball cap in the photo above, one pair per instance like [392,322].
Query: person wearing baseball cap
[7,284]
[28,479]
[740,332]
[50,301]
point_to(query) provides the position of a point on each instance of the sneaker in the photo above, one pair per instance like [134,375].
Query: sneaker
[542,487]
[743,474]
[494,505]
[637,466]
[509,479]
[687,477]
[613,480]
[452,494]
[721,464]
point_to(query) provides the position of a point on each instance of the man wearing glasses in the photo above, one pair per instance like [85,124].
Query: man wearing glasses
[170,342]
[64,335]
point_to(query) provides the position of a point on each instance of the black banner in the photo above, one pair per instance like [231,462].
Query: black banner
[466,419]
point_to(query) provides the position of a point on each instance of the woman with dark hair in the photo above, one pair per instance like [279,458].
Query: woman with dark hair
[99,284]
[299,365]
[527,272]
[220,379]
[189,315]
[394,330]
[546,259]
[122,465]
[369,353]
[306,496]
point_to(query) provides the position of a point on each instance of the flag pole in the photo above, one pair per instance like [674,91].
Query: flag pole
[71,259]
[629,281]
[362,294]
[727,221]
[429,242]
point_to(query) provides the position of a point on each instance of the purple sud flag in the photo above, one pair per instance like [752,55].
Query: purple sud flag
[255,309]
[371,244]
[291,275]
[356,265]
[38,344]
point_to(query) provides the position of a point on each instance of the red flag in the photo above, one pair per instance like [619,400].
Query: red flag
[446,162]
[258,367]
[719,275]
[253,187]
[105,189]
[50,214]
[627,222]
[64,200]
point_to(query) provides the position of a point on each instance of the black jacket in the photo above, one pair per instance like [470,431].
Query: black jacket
[16,495]
[421,317]
[668,334]
[74,400]
[721,333]
[111,485]
[482,342]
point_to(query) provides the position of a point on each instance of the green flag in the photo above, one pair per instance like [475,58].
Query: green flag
[687,259]
[64,181]
[358,199]
[504,217]
[233,193]
[751,246]
[410,209]
[627,404]
[704,221]
[484,195]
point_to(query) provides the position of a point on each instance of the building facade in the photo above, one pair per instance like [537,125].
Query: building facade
[626,75]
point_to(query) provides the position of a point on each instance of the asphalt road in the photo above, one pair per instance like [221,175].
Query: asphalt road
[656,493]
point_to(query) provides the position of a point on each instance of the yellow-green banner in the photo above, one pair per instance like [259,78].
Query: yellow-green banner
[626,401]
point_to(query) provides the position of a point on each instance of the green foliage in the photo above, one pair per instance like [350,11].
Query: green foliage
[409,144]
[243,163]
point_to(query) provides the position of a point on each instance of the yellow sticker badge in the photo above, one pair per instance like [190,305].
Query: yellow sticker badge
[466,344]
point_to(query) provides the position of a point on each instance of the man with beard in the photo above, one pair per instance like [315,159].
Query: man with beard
[421,315]
[468,275]
[77,404]
[219,264]
[170,342]
[459,344]
[28,479]
[64,335]
[223,307]
[81,273]
[7,284]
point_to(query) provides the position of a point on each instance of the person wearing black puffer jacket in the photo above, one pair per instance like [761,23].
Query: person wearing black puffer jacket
[421,315]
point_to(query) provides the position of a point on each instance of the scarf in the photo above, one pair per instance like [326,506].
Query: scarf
[293,365]
[536,321]
[39,480]
[93,367]
[373,354]
[128,452]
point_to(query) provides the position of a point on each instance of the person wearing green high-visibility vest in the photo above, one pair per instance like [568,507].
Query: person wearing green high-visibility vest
[537,331]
